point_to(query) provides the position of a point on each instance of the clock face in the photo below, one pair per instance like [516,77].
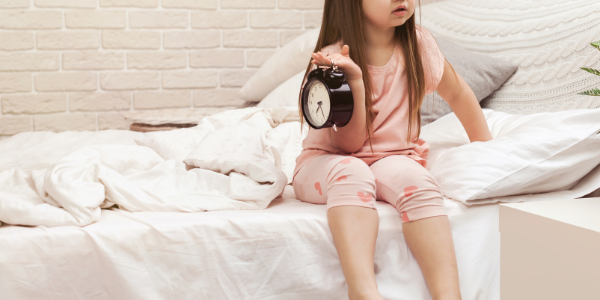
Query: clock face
[318,103]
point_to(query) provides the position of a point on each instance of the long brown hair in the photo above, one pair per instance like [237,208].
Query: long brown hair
[343,21]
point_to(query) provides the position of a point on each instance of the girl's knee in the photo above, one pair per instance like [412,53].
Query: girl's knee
[347,181]
[350,182]
[420,202]
[350,169]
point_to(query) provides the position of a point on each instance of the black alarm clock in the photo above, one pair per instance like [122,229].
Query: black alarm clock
[327,100]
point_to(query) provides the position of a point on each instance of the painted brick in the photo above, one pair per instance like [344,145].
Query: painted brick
[248,4]
[95,19]
[68,81]
[235,78]
[150,100]
[129,3]
[10,125]
[192,39]
[14,3]
[286,36]
[193,4]
[13,82]
[93,60]
[255,58]
[113,121]
[118,81]
[163,60]
[16,40]
[29,61]
[64,122]
[313,19]
[31,19]
[158,19]
[301,4]
[217,97]
[63,40]
[34,104]
[217,58]
[114,39]
[219,19]
[247,38]
[275,19]
[67,3]
[190,79]
[99,101]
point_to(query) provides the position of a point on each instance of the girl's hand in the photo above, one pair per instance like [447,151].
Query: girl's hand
[342,60]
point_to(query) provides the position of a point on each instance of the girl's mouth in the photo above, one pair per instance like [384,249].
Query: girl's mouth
[400,11]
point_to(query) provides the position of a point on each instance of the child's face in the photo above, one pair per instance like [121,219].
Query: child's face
[388,13]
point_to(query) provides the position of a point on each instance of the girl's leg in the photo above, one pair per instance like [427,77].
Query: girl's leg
[414,192]
[354,230]
[347,186]
[430,241]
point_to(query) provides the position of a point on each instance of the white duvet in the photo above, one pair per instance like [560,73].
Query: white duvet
[238,159]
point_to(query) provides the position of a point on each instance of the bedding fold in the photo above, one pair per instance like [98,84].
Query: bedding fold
[243,159]
[236,165]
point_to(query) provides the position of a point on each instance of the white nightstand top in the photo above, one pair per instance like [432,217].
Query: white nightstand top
[582,212]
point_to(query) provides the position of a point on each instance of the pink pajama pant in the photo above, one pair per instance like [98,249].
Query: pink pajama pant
[338,180]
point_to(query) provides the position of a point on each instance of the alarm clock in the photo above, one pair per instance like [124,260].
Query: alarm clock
[327,99]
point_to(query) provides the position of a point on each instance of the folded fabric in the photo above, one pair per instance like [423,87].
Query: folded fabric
[535,153]
[222,133]
[240,166]
[248,148]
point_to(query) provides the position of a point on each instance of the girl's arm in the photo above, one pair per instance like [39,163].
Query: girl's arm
[463,102]
[352,136]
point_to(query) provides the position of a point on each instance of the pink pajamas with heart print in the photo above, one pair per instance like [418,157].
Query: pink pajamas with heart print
[395,171]
[338,180]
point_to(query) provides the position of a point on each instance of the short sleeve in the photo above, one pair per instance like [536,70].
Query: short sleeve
[432,58]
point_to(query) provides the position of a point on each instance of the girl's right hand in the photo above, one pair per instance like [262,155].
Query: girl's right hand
[342,60]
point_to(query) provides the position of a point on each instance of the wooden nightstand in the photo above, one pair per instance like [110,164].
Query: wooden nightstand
[550,250]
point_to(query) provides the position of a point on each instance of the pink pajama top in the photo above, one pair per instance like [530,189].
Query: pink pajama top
[390,107]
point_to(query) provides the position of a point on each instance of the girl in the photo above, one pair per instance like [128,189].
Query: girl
[390,64]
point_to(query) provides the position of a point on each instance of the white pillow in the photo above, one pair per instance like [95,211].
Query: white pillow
[286,94]
[287,61]
[535,153]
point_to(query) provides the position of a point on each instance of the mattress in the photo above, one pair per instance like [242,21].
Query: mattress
[283,252]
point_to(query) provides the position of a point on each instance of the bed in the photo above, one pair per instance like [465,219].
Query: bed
[282,252]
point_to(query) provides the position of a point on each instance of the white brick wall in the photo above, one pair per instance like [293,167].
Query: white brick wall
[79,64]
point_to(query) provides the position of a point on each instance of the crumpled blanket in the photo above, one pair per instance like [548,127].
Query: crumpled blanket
[236,164]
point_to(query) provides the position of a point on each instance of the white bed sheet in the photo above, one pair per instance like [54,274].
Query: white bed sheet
[283,252]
